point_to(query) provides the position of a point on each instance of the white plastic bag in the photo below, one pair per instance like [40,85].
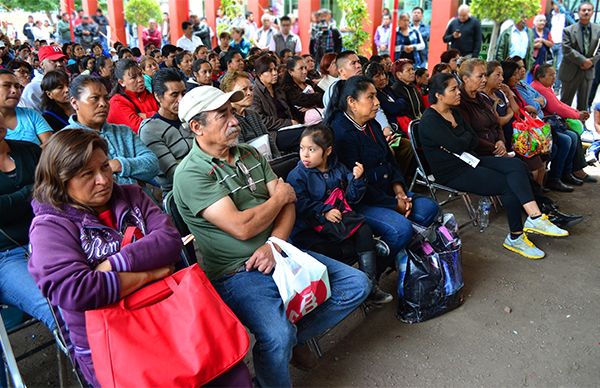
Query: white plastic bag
[302,280]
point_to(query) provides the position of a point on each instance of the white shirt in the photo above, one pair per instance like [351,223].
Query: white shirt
[519,42]
[32,94]
[265,37]
[189,44]
[558,21]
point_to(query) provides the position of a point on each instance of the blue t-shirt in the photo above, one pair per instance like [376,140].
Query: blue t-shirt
[597,106]
[30,124]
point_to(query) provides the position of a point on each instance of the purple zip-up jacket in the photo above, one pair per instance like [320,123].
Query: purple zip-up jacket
[67,245]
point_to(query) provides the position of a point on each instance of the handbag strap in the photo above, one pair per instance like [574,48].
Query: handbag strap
[130,233]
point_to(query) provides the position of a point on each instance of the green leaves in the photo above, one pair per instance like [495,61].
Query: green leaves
[356,13]
[140,11]
[501,10]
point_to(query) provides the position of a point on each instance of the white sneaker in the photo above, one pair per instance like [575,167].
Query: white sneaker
[542,225]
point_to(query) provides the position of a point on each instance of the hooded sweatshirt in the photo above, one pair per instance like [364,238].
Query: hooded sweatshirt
[68,243]
[137,161]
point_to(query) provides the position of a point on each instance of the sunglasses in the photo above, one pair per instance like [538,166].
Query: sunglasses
[249,180]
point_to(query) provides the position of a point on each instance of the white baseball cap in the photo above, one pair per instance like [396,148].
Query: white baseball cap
[205,99]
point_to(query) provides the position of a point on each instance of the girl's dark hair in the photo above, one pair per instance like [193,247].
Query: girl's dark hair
[540,71]
[123,51]
[198,64]
[491,67]
[320,134]
[136,52]
[80,82]
[65,155]
[262,64]
[509,68]
[52,80]
[439,68]
[292,61]
[449,55]
[373,69]
[84,61]
[420,71]
[161,77]
[154,52]
[65,47]
[97,45]
[352,87]
[121,68]
[438,84]
[179,57]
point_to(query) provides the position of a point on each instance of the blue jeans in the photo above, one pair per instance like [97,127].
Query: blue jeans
[254,298]
[558,56]
[563,153]
[18,289]
[395,229]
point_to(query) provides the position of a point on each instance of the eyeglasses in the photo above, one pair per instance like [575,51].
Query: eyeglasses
[246,172]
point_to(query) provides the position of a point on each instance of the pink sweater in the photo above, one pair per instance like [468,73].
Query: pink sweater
[553,104]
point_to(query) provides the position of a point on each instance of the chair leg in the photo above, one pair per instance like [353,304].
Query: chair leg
[313,343]
[12,369]
[470,210]
[63,369]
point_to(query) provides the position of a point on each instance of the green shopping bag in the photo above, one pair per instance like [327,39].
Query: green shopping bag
[575,125]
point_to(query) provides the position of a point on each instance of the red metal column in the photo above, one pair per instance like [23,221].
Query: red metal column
[89,7]
[210,10]
[257,7]
[68,6]
[394,28]
[441,13]
[375,8]
[116,18]
[305,10]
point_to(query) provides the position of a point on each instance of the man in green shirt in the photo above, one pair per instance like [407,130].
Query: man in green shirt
[63,29]
[233,202]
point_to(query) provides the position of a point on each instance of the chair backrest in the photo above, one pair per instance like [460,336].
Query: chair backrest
[182,228]
[415,142]
[284,164]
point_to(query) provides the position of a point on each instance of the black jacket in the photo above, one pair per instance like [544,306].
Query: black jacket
[469,42]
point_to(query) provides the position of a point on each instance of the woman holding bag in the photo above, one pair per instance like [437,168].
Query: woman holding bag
[448,141]
[77,259]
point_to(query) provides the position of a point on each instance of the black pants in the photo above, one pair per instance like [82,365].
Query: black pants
[360,241]
[506,177]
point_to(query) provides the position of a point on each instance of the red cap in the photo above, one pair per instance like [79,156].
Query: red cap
[50,52]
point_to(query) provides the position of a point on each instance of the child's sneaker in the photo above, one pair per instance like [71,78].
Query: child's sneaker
[542,225]
[523,247]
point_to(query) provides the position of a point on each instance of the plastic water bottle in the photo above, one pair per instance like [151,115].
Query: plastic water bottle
[483,213]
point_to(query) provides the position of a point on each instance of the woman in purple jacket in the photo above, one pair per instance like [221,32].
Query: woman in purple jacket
[80,216]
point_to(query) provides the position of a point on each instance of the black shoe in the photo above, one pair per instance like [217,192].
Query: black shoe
[378,296]
[545,189]
[571,180]
[558,185]
[589,179]
[564,221]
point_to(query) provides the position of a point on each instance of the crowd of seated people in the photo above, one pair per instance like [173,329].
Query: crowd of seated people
[181,120]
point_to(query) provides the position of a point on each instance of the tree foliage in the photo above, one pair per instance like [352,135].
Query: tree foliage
[499,11]
[29,5]
[356,13]
[231,9]
[140,11]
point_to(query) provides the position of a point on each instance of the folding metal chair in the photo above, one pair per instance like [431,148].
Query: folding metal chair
[424,177]
[188,254]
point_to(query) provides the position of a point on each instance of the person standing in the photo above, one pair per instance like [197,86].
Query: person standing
[188,41]
[383,34]
[166,30]
[464,33]
[152,35]
[417,23]
[285,38]
[27,29]
[557,21]
[86,33]
[266,32]
[408,41]
[63,29]
[580,53]
[516,41]
[250,28]
[102,25]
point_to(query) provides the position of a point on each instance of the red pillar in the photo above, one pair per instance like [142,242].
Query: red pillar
[179,12]
[441,13]
[375,8]
[305,10]
[116,18]
[257,7]
[89,7]
[68,6]
[210,10]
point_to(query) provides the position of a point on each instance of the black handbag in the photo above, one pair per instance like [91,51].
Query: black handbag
[351,221]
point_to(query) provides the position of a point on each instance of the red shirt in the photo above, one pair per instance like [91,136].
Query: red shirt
[124,110]
[107,218]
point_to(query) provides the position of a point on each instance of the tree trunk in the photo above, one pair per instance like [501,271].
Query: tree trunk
[493,41]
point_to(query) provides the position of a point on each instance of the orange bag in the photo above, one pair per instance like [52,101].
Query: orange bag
[174,332]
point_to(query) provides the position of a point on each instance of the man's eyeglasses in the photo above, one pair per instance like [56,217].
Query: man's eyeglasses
[246,172]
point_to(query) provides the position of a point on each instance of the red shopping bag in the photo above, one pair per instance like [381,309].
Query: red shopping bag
[175,332]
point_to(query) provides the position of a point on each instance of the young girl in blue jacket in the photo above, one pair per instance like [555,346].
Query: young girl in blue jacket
[315,177]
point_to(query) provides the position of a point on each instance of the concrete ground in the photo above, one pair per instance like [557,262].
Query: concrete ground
[523,322]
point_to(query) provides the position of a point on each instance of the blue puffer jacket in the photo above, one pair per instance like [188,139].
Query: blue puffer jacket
[313,187]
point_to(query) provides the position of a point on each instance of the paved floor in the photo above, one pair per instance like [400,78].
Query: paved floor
[550,338]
